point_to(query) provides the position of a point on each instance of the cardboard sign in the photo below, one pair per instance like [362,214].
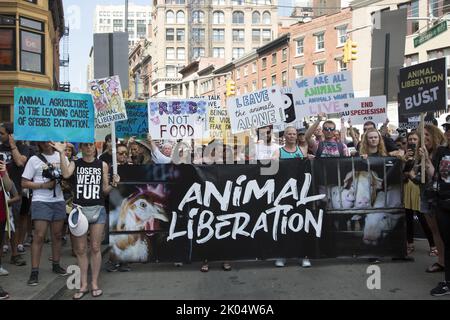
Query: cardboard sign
[42,115]
[218,119]
[423,87]
[137,123]
[255,110]
[108,100]
[177,118]
[323,93]
[361,110]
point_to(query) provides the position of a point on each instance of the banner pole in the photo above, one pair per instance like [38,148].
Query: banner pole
[114,147]
[422,145]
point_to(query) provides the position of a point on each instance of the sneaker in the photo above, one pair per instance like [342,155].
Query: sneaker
[3,272]
[280,263]
[20,248]
[112,267]
[3,294]
[28,241]
[56,268]
[34,279]
[124,267]
[18,261]
[306,263]
[442,289]
[178,264]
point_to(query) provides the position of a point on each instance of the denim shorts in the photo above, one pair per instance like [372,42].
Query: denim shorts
[48,211]
[101,218]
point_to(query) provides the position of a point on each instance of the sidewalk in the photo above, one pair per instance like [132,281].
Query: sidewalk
[49,283]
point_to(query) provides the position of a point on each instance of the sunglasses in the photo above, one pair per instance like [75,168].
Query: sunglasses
[328,129]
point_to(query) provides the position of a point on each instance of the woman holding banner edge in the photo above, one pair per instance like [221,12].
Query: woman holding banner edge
[91,184]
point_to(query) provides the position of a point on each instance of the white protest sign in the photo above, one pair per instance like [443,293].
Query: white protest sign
[177,118]
[360,110]
[323,93]
[218,121]
[289,112]
[255,110]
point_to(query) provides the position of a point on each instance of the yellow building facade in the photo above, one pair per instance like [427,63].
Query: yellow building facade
[30,31]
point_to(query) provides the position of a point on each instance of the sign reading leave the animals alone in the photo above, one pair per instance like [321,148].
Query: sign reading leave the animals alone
[177,118]
[361,110]
[323,93]
[108,100]
[42,115]
[423,87]
[256,109]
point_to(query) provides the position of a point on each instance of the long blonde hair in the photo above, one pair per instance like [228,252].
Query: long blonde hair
[365,143]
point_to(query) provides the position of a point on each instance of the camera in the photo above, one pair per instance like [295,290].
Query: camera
[52,173]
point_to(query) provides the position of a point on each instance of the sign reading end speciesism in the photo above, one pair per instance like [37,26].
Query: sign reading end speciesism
[41,115]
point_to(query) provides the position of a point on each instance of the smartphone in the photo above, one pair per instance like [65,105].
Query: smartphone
[412,146]
[2,157]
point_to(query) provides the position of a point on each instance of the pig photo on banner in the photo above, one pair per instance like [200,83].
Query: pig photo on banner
[423,87]
[137,123]
[108,100]
[323,93]
[177,118]
[255,110]
[42,115]
[360,110]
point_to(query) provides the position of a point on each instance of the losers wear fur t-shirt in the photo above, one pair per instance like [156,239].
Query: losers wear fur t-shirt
[88,182]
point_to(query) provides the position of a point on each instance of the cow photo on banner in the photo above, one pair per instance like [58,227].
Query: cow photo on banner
[177,118]
[364,205]
[423,87]
[42,115]
[322,93]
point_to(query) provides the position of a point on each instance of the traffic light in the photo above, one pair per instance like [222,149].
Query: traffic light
[231,88]
[350,51]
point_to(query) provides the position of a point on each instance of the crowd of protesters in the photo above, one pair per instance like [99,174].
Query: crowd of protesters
[34,195]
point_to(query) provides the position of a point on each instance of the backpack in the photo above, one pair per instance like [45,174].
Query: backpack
[340,146]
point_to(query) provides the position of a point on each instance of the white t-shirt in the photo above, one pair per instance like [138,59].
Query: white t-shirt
[264,151]
[33,172]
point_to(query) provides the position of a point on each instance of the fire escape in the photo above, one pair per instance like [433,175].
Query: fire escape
[64,82]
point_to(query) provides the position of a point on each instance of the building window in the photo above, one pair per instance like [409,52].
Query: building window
[170,17]
[31,52]
[274,58]
[219,52]
[284,54]
[218,17]
[171,72]
[170,53]
[320,68]
[341,35]
[117,25]
[254,67]
[7,48]
[31,24]
[5,113]
[263,63]
[411,60]
[298,71]
[341,65]
[218,2]
[266,35]
[141,29]
[245,71]
[256,35]
[198,35]
[198,17]
[170,34]
[238,17]
[266,18]
[218,35]
[238,52]
[198,52]
[263,83]
[256,17]
[254,85]
[237,2]
[180,54]
[284,78]
[180,35]
[180,17]
[320,41]
[274,79]
[238,35]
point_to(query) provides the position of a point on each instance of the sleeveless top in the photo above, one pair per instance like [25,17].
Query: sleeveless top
[88,183]
[291,155]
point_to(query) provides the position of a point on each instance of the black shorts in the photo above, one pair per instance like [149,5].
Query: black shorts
[25,206]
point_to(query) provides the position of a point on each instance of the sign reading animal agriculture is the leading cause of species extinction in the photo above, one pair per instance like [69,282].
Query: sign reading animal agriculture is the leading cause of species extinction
[42,115]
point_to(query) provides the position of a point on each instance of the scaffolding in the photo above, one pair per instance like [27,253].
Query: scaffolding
[64,73]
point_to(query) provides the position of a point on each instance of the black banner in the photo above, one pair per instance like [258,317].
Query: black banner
[322,208]
[423,87]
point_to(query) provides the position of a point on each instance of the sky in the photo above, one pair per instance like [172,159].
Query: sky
[79,15]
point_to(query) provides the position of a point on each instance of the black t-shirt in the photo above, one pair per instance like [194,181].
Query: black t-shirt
[106,157]
[88,183]
[14,171]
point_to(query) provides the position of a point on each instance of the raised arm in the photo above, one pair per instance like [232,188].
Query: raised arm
[67,169]
[309,133]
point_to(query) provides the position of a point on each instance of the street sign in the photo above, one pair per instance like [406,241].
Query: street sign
[431,33]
